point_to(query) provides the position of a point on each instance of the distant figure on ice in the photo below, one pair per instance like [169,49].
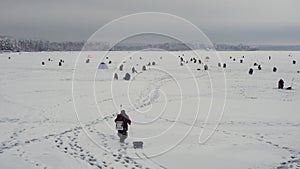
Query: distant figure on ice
[116,77]
[144,68]
[181,59]
[133,70]
[205,67]
[250,71]
[122,122]
[259,67]
[121,68]
[280,84]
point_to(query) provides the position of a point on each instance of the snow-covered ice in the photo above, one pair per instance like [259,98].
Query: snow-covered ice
[63,117]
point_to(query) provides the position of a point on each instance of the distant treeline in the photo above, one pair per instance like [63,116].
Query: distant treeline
[10,44]
[14,45]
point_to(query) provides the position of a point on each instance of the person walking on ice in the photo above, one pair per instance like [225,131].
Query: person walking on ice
[122,122]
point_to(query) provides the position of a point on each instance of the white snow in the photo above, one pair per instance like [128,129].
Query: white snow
[63,117]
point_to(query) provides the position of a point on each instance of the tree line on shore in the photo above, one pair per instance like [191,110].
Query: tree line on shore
[8,44]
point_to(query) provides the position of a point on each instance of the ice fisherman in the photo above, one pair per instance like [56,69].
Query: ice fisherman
[133,70]
[280,84]
[122,122]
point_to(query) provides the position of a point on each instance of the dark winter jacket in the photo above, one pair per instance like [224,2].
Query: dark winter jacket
[124,117]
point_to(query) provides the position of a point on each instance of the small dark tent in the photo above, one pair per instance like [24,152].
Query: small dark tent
[127,76]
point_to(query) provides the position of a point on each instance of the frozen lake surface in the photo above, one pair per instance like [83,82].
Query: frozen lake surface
[63,116]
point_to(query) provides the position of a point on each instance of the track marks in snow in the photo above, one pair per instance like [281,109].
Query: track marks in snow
[12,141]
[68,142]
[292,161]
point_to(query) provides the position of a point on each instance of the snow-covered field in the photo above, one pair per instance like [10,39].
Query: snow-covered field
[63,117]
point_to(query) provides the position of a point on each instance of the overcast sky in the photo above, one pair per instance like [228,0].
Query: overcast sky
[223,21]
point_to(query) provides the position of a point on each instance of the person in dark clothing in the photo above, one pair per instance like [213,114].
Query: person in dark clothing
[250,71]
[122,122]
[280,84]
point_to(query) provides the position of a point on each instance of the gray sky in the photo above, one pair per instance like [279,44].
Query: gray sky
[224,21]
